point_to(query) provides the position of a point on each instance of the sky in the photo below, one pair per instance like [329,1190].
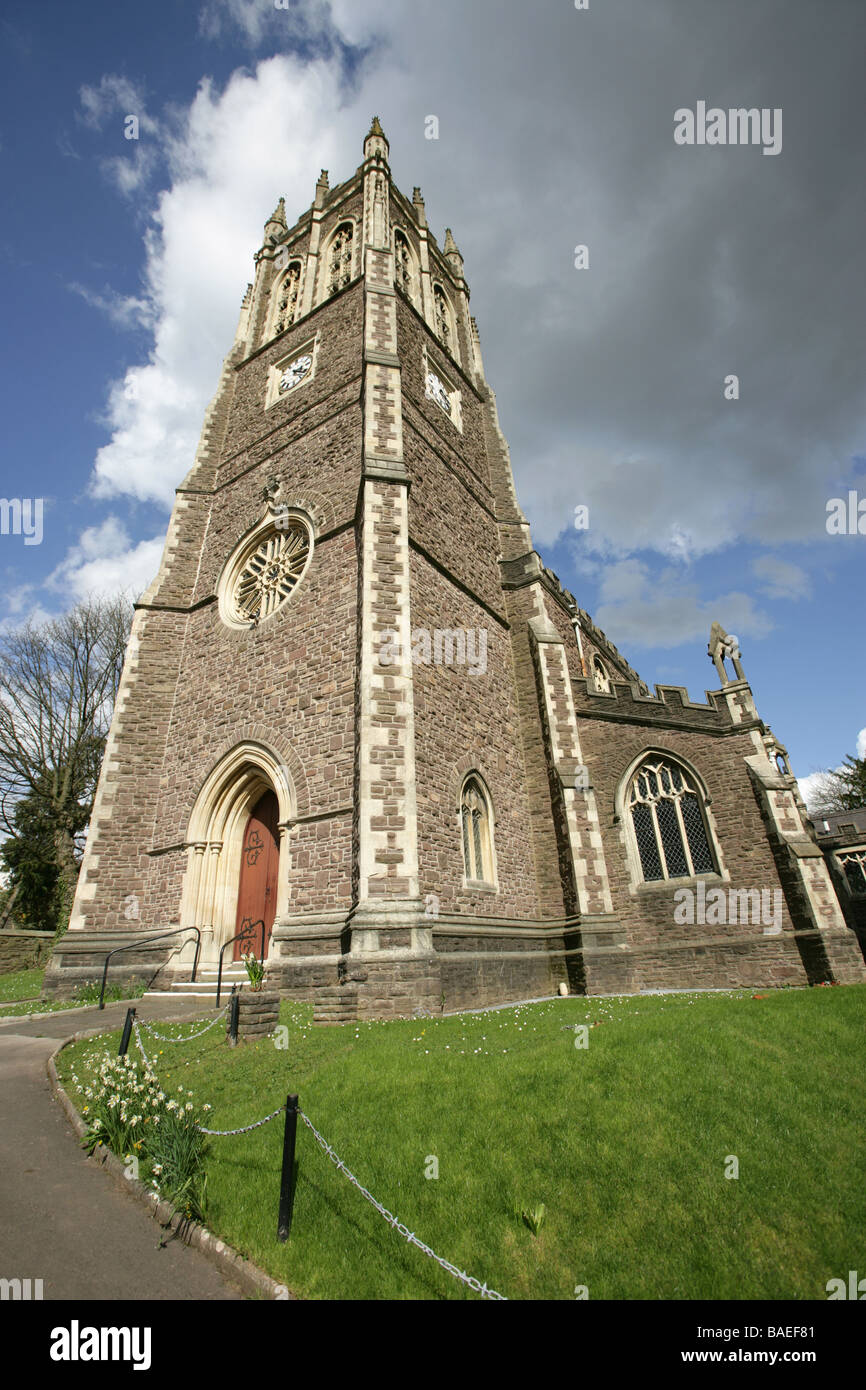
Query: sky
[124,262]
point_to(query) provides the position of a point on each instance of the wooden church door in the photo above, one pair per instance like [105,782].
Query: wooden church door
[260,863]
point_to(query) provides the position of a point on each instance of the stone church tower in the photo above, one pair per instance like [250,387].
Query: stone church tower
[357,707]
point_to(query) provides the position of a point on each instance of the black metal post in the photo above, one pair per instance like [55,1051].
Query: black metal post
[284,1223]
[233,1018]
[127,1030]
[242,935]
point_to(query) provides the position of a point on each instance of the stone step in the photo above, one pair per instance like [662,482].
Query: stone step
[173,994]
[202,989]
[335,1004]
[208,984]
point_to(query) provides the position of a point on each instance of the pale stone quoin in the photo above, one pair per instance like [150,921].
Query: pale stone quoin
[501,809]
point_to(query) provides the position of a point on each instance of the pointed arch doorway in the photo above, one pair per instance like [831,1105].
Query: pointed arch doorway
[259,876]
[247,796]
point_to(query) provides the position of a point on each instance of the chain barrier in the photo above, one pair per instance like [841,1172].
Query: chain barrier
[137,1031]
[189,1038]
[398,1226]
[245,1129]
[217,1133]
[392,1220]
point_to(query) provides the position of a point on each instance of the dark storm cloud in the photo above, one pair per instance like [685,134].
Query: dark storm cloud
[556,128]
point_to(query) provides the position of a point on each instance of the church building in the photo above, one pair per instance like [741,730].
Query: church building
[361,720]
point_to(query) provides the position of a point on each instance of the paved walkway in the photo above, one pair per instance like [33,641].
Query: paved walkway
[63,1219]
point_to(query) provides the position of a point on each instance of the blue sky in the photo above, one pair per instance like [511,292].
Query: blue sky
[124,263]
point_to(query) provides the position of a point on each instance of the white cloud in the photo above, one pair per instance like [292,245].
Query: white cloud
[107,108]
[15,601]
[22,610]
[114,96]
[131,172]
[812,789]
[105,562]
[813,786]
[124,310]
[643,608]
[253,20]
[609,381]
[780,578]
[260,22]
[230,157]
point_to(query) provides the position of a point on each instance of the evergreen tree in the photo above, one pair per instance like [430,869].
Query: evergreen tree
[30,859]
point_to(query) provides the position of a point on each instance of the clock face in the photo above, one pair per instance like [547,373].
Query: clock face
[436,391]
[295,372]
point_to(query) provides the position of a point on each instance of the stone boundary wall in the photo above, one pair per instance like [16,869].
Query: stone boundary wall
[21,950]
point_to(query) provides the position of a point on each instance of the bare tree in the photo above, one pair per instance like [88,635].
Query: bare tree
[842,788]
[58,684]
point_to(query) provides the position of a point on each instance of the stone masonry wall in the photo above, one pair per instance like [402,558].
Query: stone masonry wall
[20,950]
[464,722]
[201,686]
[669,953]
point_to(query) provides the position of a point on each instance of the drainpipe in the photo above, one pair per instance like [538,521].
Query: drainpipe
[575,623]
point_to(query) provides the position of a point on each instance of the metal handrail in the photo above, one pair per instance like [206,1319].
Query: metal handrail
[145,941]
[247,931]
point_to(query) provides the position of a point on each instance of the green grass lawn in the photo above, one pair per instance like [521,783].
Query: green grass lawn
[21,984]
[19,995]
[626,1142]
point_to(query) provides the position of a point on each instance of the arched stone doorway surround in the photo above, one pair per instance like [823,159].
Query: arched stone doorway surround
[215,840]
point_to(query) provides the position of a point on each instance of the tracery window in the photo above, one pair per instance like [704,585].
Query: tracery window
[600,677]
[668,821]
[854,863]
[287,299]
[264,572]
[476,826]
[403,274]
[340,258]
[443,317]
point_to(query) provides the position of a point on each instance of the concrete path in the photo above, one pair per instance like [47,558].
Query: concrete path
[63,1219]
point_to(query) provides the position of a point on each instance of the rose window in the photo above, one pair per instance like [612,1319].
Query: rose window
[270,573]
